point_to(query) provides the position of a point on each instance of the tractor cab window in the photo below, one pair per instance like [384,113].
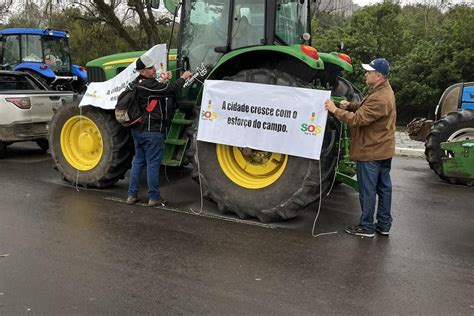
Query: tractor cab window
[31,48]
[291,20]
[206,24]
[248,25]
[56,53]
[11,51]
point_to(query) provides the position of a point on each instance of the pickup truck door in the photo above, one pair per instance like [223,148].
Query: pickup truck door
[42,104]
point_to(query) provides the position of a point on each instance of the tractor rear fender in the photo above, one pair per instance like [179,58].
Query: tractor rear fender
[47,73]
[290,59]
[335,59]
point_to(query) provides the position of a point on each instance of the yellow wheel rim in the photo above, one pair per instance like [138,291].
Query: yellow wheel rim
[250,169]
[81,143]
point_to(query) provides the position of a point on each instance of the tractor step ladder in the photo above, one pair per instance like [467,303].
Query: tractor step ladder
[176,140]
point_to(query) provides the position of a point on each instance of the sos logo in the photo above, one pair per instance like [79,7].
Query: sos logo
[311,128]
[208,115]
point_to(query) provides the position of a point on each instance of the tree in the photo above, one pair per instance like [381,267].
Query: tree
[118,16]
[4,8]
[429,46]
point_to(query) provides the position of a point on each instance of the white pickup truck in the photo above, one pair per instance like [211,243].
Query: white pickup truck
[26,109]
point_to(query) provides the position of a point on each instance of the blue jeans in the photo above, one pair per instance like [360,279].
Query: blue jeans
[148,152]
[374,179]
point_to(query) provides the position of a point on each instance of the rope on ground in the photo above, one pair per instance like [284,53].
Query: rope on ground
[199,179]
[329,192]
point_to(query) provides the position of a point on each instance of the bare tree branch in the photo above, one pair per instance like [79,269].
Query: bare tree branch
[5,6]
[149,25]
[107,12]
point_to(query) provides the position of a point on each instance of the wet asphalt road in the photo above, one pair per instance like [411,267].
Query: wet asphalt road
[86,253]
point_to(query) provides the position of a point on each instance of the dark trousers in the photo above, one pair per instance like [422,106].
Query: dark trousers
[374,180]
[148,153]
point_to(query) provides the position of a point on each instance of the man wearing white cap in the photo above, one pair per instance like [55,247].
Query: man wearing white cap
[148,135]
[372,123]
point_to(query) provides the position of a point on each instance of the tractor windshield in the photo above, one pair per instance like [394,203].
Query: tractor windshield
[48,49]
[56,53]
[31,50]
[291,20]
[206,24]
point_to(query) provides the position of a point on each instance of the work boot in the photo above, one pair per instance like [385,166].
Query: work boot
[359,231]
[132,200]
[159,202]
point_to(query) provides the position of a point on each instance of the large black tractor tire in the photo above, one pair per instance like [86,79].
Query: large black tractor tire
[453,127]
[81,164]
[291,194]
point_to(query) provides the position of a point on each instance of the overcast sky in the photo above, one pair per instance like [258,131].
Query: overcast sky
[366,2]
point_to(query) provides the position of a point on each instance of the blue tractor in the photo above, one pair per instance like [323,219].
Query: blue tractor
[44,53]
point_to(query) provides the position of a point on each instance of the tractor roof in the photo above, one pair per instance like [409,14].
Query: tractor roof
[47,31]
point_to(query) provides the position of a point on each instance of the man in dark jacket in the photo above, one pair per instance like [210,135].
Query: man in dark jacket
[372,124]
[155,101]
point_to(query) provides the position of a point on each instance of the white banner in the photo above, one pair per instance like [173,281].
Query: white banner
[104,94]
[271,118]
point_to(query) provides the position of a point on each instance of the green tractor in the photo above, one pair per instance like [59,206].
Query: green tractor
[257,41]
[449,139]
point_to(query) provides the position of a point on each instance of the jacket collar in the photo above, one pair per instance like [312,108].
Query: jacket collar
[382,85]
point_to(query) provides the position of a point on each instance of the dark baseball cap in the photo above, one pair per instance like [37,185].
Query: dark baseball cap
[380,64]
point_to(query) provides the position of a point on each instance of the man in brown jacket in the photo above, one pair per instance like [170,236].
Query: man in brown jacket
[372,123]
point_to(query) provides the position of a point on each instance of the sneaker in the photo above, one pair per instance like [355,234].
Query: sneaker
[381,231]
[359,231]
[159,202]
[132,200]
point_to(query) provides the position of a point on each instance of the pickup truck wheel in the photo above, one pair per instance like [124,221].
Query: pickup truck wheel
[3,149]
[252,183]
[43,144]
[89,147]
[455,126]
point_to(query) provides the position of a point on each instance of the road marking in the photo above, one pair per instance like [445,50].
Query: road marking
[202,214]
[71,185]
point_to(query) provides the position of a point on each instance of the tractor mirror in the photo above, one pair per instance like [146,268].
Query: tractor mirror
[171,5]
[154,4]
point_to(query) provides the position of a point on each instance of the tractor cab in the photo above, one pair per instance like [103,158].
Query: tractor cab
[211,28]
[219,38]
[42,53]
